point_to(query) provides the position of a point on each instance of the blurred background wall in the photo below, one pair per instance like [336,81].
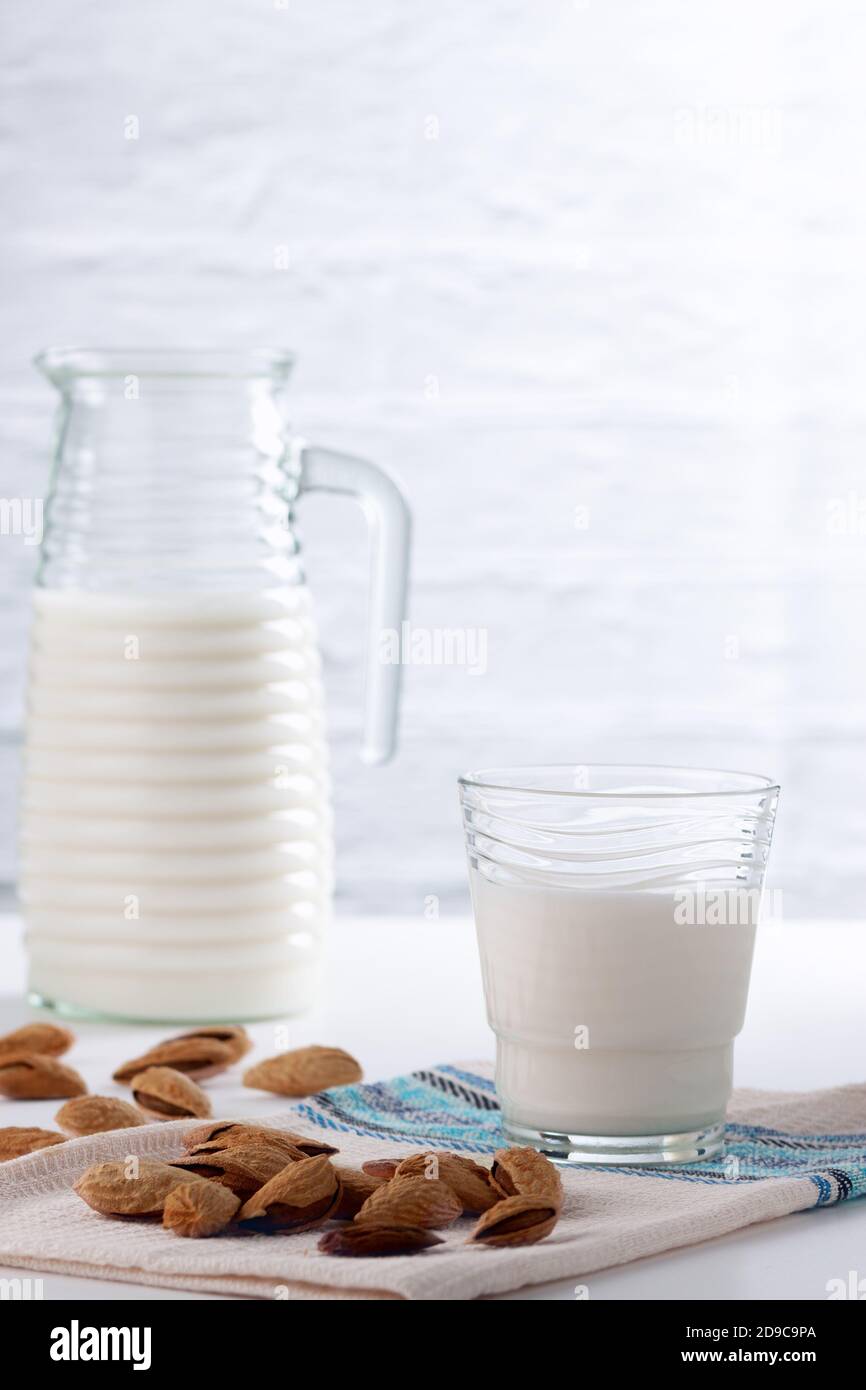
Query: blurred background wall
[588,276]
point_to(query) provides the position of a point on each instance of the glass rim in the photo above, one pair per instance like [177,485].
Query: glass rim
[62,364]
[493,779]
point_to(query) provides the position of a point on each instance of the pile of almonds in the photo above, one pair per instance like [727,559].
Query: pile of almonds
[234,1177]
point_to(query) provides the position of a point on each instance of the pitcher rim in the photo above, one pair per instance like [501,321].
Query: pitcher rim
[64,364]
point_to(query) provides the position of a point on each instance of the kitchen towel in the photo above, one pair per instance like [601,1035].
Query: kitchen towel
[784,1152]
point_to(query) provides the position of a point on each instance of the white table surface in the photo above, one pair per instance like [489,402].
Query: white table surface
[403,993]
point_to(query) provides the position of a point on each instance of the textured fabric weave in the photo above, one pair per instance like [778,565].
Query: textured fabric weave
[784,1152]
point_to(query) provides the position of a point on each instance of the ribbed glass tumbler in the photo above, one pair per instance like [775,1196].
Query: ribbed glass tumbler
[616,910]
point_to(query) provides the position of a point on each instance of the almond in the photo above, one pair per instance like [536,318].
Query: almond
[167,1094]
[384,1168]
[526,1172]
[516,1221]
[135,1187]
[304,1194]
[205,1152]
[47,1039]
[232,1035]
[374,1239]
[97,1115]
[304,1071]
[411,1201]
[32,1076]
[225,1134]
[196,1057]
[244,1171]
[469,1182]
[355,1189]
[16,1141]
[199,1209]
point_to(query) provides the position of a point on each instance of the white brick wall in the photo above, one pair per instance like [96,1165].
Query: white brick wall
[541,257]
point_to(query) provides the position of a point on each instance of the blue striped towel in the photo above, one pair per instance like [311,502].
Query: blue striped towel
[455,1107]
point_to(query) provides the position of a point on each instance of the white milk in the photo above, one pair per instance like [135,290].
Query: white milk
[176,829]
[660,1004]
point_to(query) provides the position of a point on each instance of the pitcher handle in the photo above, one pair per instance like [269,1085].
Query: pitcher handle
[383,504]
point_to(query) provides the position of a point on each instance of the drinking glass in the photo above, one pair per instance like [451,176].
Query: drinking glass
[616,910]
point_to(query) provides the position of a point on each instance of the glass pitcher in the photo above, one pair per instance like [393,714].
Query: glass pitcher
[176,852]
